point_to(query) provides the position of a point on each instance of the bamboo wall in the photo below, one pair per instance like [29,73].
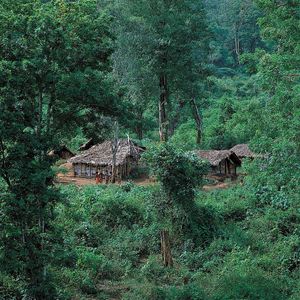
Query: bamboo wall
[89,171]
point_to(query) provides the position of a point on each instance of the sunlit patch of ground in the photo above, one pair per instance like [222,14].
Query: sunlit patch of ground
[67,177]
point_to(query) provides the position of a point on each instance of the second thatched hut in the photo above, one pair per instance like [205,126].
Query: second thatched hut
[222,162]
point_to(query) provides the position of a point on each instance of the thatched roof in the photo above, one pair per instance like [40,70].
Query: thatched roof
[101,154]
[216,156]
[242,151]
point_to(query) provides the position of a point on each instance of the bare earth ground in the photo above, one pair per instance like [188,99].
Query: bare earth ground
[219,185]
[68,178]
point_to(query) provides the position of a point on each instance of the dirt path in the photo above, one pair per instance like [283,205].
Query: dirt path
[217,186]
[68,178]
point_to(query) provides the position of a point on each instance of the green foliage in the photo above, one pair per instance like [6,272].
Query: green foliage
[57,85]
[10,287]
[187,292]
[179,173]
[233,250]
[116,212]
[250,284]
[234,24]
[53,57]
[184,137]
[154,39]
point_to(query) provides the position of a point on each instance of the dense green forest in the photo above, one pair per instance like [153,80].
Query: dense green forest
[174,76]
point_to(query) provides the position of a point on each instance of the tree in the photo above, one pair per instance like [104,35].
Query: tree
[53,71]
[234,24]
[165,44]
[115,144]
[180,174]
[276,118]
[278,72]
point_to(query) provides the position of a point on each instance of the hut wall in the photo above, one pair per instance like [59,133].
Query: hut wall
[89,171]
[77,170]
[228,167]
[222,167]
[213,170]
[84,170]
[232,168]
[93,171]
[225,167]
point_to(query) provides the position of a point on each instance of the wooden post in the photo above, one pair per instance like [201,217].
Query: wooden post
[163,101]
[198,121]
[163,133]
[114,148]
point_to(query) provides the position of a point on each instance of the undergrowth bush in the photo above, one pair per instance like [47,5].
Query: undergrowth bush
[229,246]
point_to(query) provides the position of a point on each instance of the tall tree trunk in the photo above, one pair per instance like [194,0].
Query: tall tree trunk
[50,110]
[139,127]
[175,120]
[237,42]
[3,172]
[166,248]
[114,148]
[198,121]
[163,101]
[41,153]
[40,113]
[163,133]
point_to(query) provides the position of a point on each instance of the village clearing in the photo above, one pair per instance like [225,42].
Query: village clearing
[67,177]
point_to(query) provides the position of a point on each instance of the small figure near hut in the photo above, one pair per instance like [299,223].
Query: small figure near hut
[98,178]
[106,177]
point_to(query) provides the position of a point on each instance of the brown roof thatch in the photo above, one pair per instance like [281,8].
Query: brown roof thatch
[216,156]
[242,151]
[101,154]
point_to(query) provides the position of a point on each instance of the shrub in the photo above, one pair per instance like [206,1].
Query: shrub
[115,212]
[252,285]
[11,288]
[187,292]
[153,270]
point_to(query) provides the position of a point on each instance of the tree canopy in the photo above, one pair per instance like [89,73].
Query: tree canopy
[169,77]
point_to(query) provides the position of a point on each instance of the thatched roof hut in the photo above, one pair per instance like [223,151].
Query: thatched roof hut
[222,162]
[215,157]
[99,158]
[242,151]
